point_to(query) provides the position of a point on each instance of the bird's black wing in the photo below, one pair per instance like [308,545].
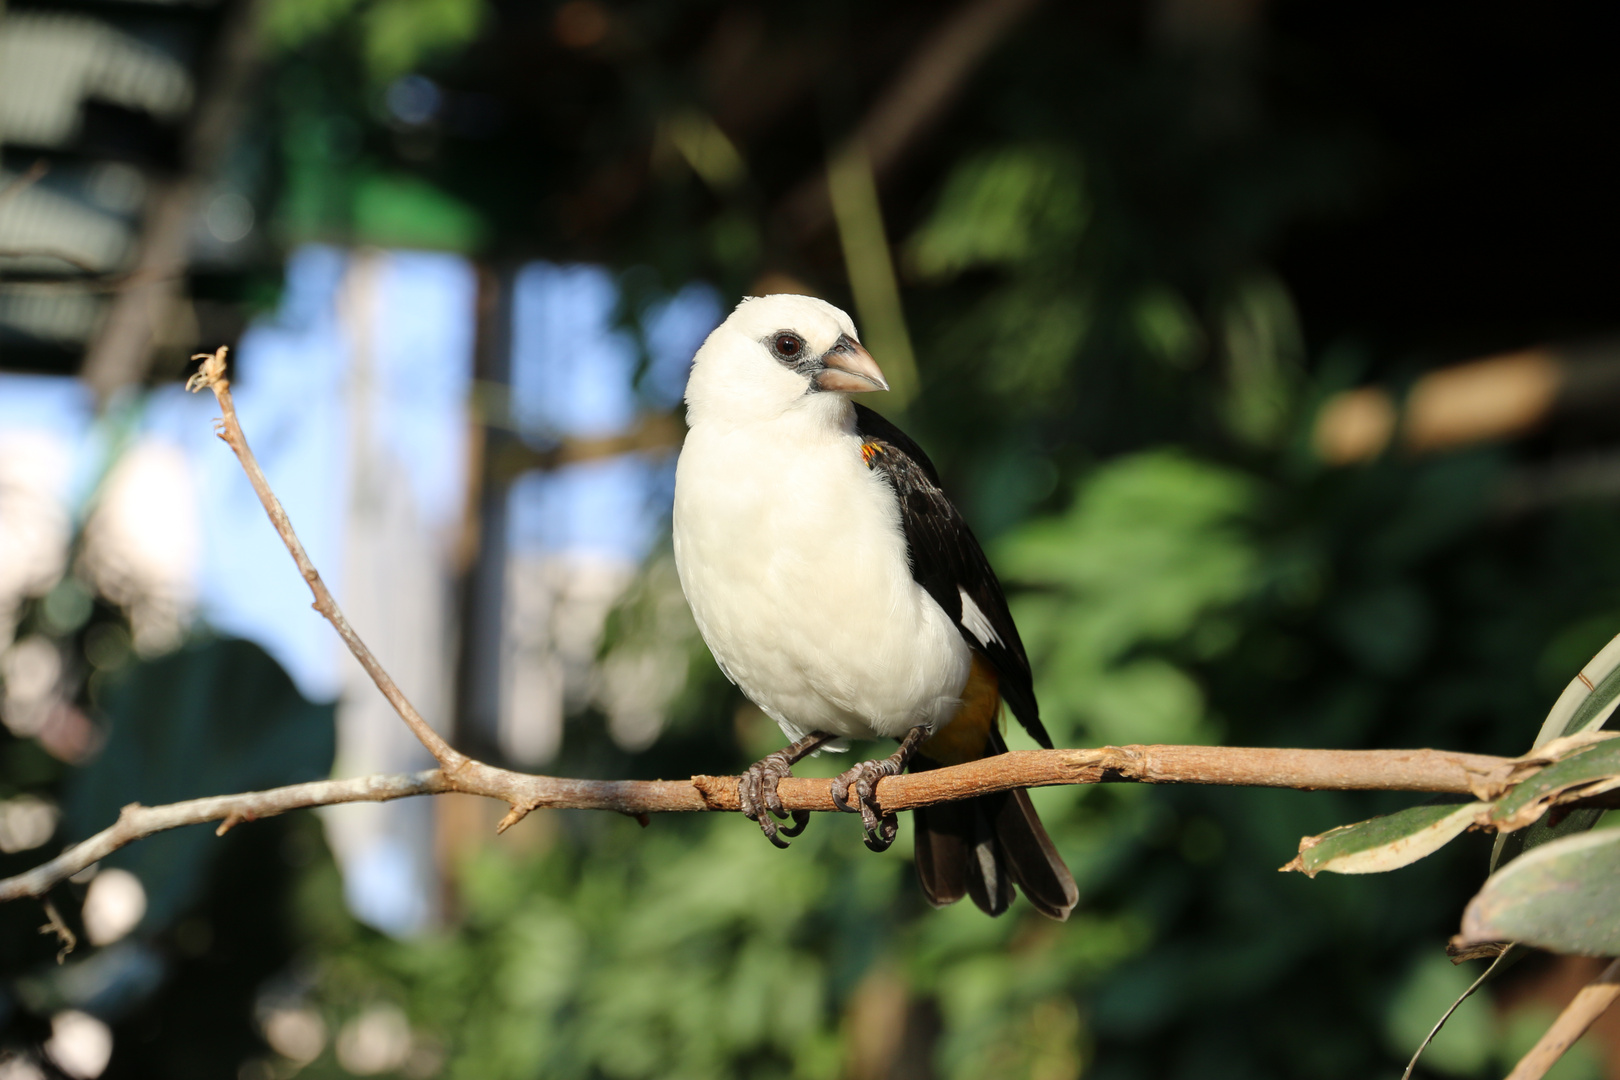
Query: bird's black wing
[947,561]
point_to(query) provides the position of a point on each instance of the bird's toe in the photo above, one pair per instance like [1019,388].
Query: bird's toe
[757,793]
[880,838]
[861,780]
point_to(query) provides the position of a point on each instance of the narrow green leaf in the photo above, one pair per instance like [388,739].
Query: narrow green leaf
[1587,768]
[1588,700]
[1563,896]
[1385,843]
[1585,705]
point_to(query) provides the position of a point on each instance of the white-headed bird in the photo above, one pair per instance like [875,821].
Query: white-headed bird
[842,591]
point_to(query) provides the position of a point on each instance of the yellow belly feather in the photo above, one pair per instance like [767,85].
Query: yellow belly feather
[967,734]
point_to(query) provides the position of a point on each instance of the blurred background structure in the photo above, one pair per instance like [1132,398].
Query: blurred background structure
[1269,347]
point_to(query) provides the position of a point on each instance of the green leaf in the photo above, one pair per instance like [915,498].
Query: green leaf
[212,718]
[1385,843]
[402,211]
[1588,700]
[400,34]
[1563,896]
[1587,771]
[1585,705]
[1003,208]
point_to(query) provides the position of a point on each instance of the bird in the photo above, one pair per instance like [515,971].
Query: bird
[841,590]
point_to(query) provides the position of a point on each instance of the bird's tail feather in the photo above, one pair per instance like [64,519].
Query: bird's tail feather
[982,847]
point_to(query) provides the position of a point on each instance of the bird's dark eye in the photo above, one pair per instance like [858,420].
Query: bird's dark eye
[786,345]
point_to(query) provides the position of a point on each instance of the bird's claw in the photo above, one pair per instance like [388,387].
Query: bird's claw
[756,790]
[881,828]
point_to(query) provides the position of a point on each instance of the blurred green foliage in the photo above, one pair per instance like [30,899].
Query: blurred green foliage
[393,35]
[1153,551]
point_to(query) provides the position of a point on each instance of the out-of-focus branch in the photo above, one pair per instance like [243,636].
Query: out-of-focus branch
[25,181]
[83,265]
[916,98]
[653,433]
[1313,770]
[1497,397]
[1592,1002]
[120,353]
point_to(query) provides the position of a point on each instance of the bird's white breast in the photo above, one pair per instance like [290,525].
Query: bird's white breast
[791,553]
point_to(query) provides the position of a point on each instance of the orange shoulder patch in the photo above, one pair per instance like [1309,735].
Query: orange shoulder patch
[870,452]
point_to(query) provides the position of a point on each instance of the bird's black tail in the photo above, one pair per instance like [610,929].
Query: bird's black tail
[982,847]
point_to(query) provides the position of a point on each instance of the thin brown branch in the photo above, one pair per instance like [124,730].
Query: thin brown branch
[1341,770]
[1592,1002]
[212,376]
[136,821]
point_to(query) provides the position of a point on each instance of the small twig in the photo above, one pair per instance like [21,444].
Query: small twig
[1592,1002]
[212,376]
[64,933]
[1455,1005]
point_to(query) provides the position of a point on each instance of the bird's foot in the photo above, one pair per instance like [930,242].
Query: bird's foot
[756,790]
[881,828]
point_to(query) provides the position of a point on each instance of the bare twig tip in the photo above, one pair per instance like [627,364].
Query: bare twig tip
[212,372]
[63,932]
[513,816]
[232,820]
[708,787]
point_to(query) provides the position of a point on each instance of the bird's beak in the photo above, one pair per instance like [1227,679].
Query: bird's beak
[849,368]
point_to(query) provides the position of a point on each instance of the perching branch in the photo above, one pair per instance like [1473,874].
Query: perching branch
[1436,771]
[1311,770]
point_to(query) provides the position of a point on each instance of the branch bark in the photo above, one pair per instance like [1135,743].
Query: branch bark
[1310,770]
[136,821]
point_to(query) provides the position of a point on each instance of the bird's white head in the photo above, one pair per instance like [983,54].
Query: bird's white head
[777,353]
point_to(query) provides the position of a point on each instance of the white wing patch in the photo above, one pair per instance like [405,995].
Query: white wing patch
[974,622]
